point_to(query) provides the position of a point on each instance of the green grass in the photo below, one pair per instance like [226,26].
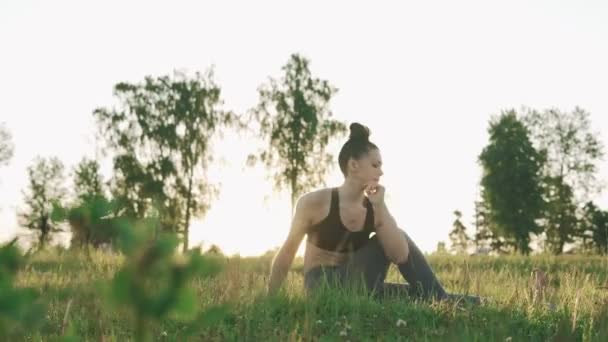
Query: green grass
[575,306]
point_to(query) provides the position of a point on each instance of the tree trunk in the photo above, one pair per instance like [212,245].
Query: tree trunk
[44,231]
[188,210]
[523,247]
[293,194]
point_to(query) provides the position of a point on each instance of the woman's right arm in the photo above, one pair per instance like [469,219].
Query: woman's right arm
[284,258]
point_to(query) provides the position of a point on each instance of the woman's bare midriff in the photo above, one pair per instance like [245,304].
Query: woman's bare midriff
[315,256]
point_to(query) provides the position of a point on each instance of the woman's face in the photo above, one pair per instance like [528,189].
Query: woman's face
[368,169]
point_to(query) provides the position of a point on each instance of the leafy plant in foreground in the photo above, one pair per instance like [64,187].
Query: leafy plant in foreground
[20,309]
[153,282]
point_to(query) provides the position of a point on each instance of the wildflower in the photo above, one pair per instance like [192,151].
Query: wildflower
[164,333]
[319,321]
[401,322]
[343,333]
[508,339]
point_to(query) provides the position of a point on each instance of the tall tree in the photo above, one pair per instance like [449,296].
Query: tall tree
[6,145]
[46,187]
[594,226]
[559,219]
[162,139]
[572,152]
[294,116]
[511,185]
[88,181]
[459,239]
[483,234]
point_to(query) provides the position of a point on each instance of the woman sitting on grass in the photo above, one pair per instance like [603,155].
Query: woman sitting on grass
[338,223]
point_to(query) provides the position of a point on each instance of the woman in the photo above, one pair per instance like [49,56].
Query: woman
[338,223]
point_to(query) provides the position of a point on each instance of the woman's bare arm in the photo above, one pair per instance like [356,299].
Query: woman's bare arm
[284,257]
[391,238]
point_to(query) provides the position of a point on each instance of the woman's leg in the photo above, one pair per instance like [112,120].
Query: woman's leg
[331,276]
[422,279]
[419,274]
[396,290]
[368,265]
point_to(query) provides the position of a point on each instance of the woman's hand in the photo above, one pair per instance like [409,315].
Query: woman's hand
[375,194]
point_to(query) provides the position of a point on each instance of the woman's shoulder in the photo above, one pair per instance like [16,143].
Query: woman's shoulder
[315,205]
[315,200]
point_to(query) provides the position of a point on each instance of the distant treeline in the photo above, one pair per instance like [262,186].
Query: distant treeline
[539,167]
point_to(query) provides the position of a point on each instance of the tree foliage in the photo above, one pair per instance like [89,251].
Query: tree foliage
[511,184]
[572,153]
[6,145]
[45,189]
[161,135]
[459,240]
[594,226]
[294,117]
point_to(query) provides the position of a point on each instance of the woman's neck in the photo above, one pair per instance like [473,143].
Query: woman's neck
[351,192]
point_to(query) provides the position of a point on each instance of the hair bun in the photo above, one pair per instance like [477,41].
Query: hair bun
[358,132]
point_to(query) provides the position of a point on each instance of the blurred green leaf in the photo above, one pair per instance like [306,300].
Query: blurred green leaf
[205,266]
[120,286]
[186,303]
[20,308]
[58,212]
[70,335]
[211,316]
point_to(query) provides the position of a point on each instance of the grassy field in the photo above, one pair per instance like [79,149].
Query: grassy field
[232,306]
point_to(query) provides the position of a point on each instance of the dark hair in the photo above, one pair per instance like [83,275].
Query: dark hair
[356,146]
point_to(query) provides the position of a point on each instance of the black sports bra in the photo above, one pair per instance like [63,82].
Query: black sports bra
[331,235]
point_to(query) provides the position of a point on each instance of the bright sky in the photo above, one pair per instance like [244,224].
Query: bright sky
[424,76]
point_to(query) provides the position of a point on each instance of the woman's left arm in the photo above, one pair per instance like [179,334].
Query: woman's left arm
[391,238]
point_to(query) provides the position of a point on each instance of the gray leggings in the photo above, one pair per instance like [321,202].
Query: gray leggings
[370,265]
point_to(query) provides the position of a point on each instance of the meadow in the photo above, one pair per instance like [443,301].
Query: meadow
[570,303]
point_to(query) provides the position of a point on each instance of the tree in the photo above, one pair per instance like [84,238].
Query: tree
[569,173]
[46,187]
[483,235]
[88,181]
[441,248]
[6,145]
[91,222]
[594,226]
[215,250]
[294,116]
[162,138]
[572,150]
[459,239]
[510,183]
[91,212]
[560,221]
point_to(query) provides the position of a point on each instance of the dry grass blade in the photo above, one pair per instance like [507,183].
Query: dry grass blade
[64,323]
[539,282]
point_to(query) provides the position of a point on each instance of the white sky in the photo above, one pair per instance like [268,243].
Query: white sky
[424,76]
